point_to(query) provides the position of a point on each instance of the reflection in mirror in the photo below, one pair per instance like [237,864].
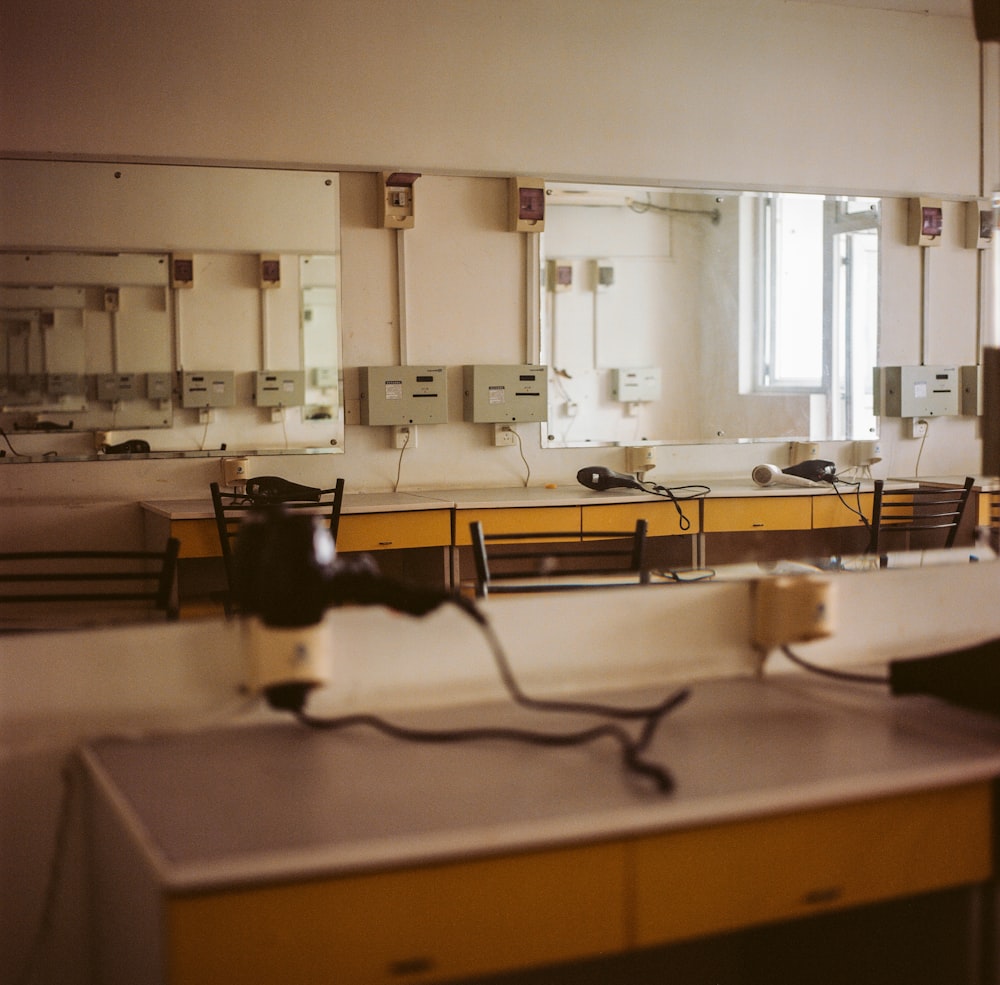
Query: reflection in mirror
[321,338]
[694,316]
[85,342]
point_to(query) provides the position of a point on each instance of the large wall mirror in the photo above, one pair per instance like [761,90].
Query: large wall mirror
[187,309]
[697,316]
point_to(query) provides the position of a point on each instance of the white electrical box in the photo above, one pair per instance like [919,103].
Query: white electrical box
[505,394]
[398,395]
[208,388]
[917,391]
[636,385]
[280,388]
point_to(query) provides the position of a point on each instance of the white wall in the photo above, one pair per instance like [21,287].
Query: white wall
[778,94]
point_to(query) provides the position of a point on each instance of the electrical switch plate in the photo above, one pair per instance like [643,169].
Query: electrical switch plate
[978,224]
[916,391]
[270,270]
[395,199]
[280,388]
[403,395]
[208,388]
[926,223]
[560,275]
[181,270]
[505,394]
[603,275]
[527,205]
[636,385]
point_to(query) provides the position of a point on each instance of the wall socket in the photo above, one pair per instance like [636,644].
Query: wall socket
[503,435]
[919,426]
[404,436]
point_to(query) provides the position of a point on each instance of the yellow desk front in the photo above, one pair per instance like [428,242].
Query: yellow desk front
[275,854]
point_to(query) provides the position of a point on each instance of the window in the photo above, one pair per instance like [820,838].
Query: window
[813,275]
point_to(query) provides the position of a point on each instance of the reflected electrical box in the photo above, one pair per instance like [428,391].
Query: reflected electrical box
[280,388]
[636,385]
[505,394]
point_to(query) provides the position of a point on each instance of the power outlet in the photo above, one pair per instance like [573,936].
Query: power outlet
[919,427]
[504,436]
[404,436]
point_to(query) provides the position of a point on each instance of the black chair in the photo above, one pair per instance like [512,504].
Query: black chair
[232,507]
[69,589]
[918,517]
[558,560]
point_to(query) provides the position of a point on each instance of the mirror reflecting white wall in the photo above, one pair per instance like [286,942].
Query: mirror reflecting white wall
[696,316]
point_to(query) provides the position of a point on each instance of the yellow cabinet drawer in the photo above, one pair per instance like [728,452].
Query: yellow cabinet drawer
[662,518]
[829,511]
[419,925]
[758,513]
[199,538]
[518,520]
[707,880]
[392,530]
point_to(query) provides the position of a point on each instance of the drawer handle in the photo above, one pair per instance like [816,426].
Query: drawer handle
[385,543]
[828,894]
[757,523]
[411,966]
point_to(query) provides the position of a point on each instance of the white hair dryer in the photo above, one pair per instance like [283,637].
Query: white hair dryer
[771,475]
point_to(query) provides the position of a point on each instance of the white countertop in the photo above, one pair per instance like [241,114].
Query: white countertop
[281,801]
[522,496]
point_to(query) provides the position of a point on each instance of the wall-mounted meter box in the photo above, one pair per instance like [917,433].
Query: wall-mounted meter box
[112,387]
[398,395]
[917,391]
[159,386]
[65,384]
[636,385]
[505,394]
[280,388]
[208,388]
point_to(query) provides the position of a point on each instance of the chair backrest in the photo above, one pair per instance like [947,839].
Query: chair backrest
[557,560]
[232,507]
[101,581]
[919,517]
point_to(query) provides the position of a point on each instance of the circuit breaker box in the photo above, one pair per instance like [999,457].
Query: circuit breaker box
[917,391]
[398,395]
[505,394]
[208,388]
[280,388]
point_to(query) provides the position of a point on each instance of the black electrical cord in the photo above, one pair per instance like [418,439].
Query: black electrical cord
[838,675]
[670,492]
[14,451]
[632,747]
[857,511]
